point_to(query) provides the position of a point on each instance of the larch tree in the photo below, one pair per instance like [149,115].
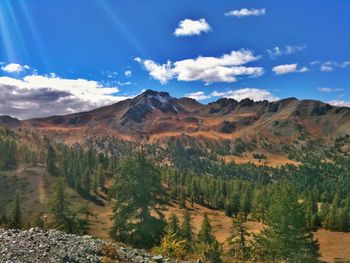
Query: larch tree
[15,220]
[286,237]
[138,193]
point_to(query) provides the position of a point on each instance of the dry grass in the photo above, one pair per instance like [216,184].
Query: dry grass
[36,186]
[272,160]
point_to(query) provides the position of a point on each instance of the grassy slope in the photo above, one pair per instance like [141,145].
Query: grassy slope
[36,189]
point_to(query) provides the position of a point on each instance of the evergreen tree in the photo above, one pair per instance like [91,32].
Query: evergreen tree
[15,220]
[235,204]
[331,221]
[173,225]
[63,217]
[186,227]
[137,192]
[239,248]
[51,160]
[345,216]
[246,204]
[100,176]
[87,181]
[260,205]
[286,238]
[205,234]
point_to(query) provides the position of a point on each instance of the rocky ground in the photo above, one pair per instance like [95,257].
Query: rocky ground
[36,245]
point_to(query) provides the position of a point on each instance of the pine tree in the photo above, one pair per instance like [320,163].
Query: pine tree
[51,160]
[239,248]
[331,221]
[260,205]
[60,206]
[87,181]
[287,237]
[100,177]
[345,216]
[235,204]
[63,217]
[205,234]
[246,204]
[173,225]
[186,227]
[16,215]
[137,192]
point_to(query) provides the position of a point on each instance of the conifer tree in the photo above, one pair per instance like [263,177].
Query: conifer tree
[287,237]
[51,160]
[16,215]
[186,227]
[138,193]
[63,217]
[332,221]
[235,204]
[345,216]
[246,204]
[205,234]
[239,248]
[173,225]
[260,205]
[207,245]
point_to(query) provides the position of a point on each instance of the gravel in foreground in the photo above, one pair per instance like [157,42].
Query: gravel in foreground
[51,246]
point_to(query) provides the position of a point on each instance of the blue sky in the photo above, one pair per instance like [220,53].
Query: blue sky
[61,56]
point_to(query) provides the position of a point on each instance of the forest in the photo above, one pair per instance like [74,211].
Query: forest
[292,201]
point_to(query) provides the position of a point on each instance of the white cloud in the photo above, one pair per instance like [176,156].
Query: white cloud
[326,68]
[127,83]
[247,12]
[332,65]
[14,68]
[326,89]
[163,72]
[206,69]
[200,95]
[37,95]
[239,94]
[251,93]
[128,73]
[340,103]
[286,50]
[288,68]
[189,27]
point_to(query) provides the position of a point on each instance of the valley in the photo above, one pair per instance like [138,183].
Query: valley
[224,161]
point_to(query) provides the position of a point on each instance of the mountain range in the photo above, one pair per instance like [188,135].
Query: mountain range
[156,116]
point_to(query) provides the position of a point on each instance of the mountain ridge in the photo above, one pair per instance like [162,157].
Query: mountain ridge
[155,115]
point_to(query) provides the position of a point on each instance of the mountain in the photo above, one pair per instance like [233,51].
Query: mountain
[153,116]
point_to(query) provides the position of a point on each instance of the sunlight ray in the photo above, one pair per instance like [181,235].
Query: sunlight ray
[116,21]
[35,34]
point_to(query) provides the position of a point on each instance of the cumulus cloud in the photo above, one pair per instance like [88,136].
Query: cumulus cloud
[239,94]
[251,93]
[161,72]
[14,68]
[199,95]
[38,96]
[247,12]
[189,27]
[286,50]
[340,103]
[128,73]
[327,89]
[288,68]
[207,69]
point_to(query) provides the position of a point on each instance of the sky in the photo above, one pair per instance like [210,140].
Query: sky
[64,56]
